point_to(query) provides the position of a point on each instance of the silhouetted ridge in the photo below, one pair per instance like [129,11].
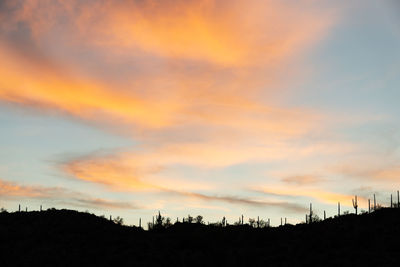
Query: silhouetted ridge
[70,238]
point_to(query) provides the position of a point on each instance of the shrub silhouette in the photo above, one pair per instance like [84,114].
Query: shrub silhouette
[252,222]
[117,220]
[189,219]
[159,223]
[199,219]
[167,223]
[262,224]
[315,218]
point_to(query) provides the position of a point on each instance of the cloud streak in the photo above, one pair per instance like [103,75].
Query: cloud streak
[323,196]
[115,174]
[287,206]
[302,179]
[11,190]
[219,32]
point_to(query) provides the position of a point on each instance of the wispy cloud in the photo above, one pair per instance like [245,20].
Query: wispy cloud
[112,173]
[324,196]
[103,203]
[11,190]
[144,169]
[385,172]
[302,179]
[221,32]
[287,206]
[199,52]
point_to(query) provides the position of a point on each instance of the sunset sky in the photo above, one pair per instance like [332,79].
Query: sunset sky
[218,108]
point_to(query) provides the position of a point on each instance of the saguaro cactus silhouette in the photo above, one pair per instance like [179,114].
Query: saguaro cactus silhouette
[338,207]
[355,204]
[398,199]
[369,205]
[391,201]
[311,213]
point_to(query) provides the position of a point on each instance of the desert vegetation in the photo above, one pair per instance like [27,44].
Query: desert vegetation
[69,238]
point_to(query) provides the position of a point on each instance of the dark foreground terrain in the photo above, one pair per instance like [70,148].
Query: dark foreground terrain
[70,238]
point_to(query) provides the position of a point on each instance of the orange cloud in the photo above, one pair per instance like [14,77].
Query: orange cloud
[302,179]
[236,47]
[121,176]
[108,171]
[318,194]
[25,81]
[369,169]
[392,173]
[15,190]
[57,194]
[149,168]
[222,32]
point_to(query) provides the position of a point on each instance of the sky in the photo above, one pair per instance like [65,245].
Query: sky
[218,108]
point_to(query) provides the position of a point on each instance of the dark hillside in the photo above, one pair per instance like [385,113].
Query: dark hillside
[70,238]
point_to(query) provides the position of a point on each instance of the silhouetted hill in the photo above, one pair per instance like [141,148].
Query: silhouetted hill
[70,238]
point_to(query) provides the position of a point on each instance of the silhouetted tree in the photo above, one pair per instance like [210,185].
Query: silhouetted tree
[262,223]
[199,219]
[189,219]
[159,221]
[252,222]
[167,222]
[315,218]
